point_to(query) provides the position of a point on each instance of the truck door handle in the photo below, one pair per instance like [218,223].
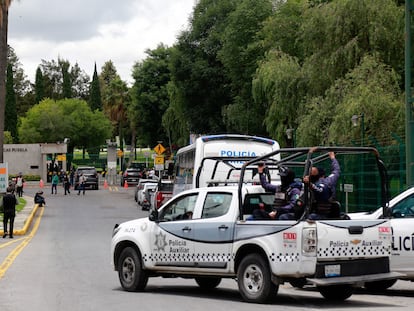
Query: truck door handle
[186,229]
[223,227]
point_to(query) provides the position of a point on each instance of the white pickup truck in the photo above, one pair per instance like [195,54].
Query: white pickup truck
[202,234]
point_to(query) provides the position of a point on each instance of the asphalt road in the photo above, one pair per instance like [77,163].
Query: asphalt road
[63,263]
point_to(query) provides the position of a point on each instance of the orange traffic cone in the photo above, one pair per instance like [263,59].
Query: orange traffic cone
[105,184]
[125,185]
[41,184]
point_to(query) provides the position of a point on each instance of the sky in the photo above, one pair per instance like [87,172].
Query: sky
[89,31]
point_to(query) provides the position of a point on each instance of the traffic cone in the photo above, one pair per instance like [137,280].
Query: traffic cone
[105,184]
[125,185]
[41,184]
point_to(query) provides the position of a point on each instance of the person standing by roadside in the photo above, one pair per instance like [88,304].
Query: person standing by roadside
[19,185]
[81,186]
[66,183]
[9,206]
[55,182]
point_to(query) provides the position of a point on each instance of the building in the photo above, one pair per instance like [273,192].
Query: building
[34,159]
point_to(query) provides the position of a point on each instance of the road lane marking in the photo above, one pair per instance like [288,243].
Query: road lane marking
[5,265]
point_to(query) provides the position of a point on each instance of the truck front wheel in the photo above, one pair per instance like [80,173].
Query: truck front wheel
[131,275]
[254,279]
[336,292]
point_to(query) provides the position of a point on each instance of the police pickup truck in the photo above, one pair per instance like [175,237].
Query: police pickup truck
[203,234]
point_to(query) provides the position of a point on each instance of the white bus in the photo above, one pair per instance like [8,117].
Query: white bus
[199,159]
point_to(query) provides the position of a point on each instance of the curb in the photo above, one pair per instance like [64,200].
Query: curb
[27,222]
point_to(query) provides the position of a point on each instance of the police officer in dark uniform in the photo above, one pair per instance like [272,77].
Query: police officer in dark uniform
[9,207]
[286,194]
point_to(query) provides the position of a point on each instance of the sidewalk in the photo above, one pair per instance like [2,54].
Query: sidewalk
[23,219]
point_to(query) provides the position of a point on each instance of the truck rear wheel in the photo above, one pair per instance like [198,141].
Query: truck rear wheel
[254,279]
[208,282]
[131,275]
[336,292]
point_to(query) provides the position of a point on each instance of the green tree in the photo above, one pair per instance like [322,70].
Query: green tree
[150,100]
[279,86]
[95,100]
[10,112]
[39,86]
[52,121]
[66,83]
[62,80]
[241,45]
[200,84]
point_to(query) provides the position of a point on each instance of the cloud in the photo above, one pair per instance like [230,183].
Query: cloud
[89,31]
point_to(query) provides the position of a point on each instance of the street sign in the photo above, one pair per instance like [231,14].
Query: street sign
[159,149]
[159,160]
[4,177]
[119,153]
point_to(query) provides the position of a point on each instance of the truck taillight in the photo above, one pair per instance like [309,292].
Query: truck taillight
[309,241]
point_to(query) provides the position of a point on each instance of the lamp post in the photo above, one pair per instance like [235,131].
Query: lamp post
[290,134]
[354,120]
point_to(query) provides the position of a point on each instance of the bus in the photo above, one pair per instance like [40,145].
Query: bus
[199,164]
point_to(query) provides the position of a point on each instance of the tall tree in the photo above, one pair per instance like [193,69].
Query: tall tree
[10,112]
[22,85]
[66,83]
[150,99]
[241,45]
[4,21]
[39,86]
[200,84]
[95,99]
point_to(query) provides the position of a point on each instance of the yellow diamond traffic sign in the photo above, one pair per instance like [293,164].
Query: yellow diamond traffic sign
[159,149]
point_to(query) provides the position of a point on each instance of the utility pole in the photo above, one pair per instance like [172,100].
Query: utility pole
[409,101]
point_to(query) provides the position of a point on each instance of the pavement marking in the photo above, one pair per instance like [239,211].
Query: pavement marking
[11,242]
[5,265]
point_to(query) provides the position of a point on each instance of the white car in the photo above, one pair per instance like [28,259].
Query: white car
[402,222]
[140,186]
[143,198]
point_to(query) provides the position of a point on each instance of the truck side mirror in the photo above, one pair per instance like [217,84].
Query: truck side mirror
[153,216]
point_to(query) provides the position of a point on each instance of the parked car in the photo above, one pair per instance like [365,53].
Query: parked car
[131,176]
[401,208]
[162,193]
[144,195]
[140,186]
[92,179]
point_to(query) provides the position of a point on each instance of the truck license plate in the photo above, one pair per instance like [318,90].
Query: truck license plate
[332,270]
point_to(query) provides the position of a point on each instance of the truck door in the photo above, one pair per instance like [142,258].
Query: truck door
[172,237]
[214,231]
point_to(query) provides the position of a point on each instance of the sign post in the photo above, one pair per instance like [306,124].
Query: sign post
[4,177]
[159,159]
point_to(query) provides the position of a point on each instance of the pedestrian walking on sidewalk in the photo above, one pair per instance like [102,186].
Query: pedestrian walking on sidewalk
[9,207]
[55,182]
[19,184]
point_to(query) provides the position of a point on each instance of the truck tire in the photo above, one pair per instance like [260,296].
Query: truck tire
[131,275]
[379,286]
[336,292]
[208,282]
[254,279]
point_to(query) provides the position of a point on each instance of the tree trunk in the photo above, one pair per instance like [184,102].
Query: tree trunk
[3,66]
